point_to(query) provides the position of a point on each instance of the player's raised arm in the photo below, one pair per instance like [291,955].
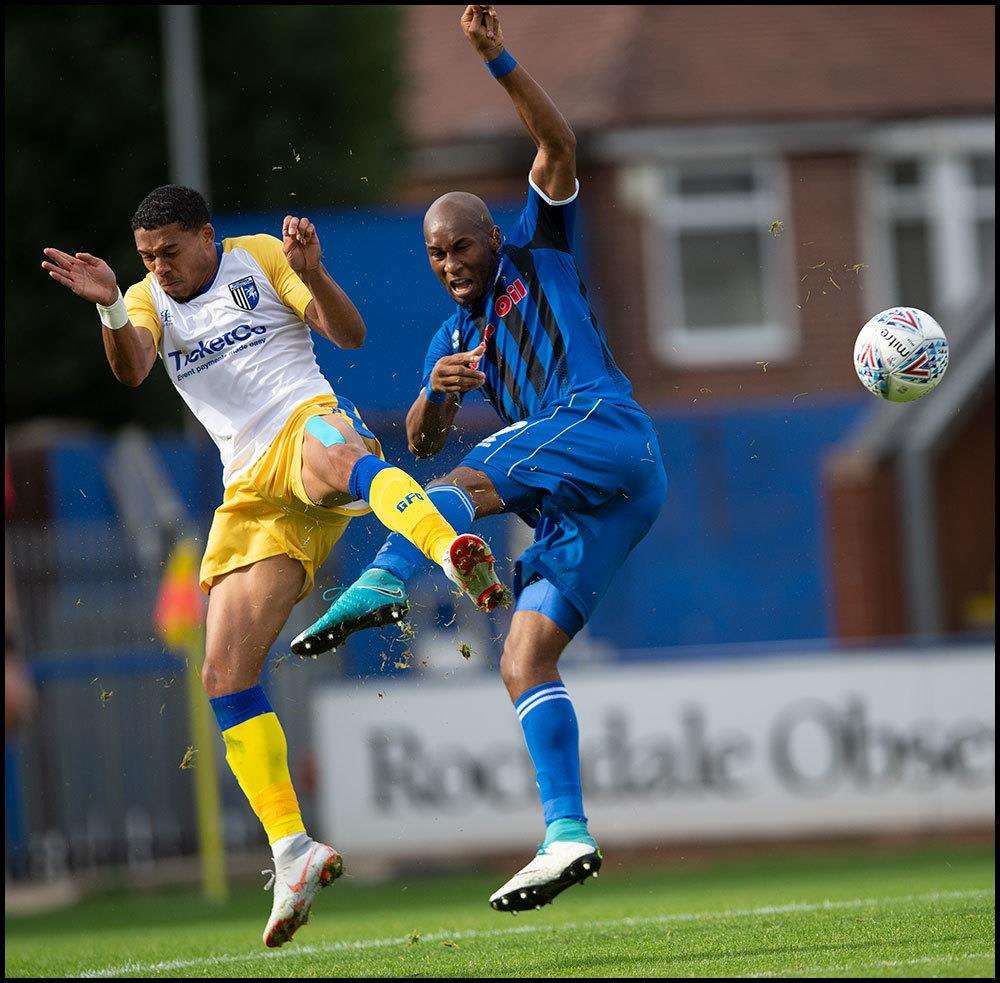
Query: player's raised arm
[131,350]
[331,311]
[554,169]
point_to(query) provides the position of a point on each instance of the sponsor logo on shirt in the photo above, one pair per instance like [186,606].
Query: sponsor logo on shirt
[515,294]
[206,349]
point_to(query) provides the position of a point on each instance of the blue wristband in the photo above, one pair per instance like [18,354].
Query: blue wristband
[434,397]
[502,65]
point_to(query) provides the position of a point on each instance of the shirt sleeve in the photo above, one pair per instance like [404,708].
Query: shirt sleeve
[545,223]
[270,256]
[443,343]
[141,310]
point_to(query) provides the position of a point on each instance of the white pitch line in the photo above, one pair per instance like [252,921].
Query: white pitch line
[880,964]
[124,969]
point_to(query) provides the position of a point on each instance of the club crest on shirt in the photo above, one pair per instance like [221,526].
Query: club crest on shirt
[245,293]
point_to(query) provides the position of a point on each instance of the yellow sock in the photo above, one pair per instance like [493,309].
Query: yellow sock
[257,753]
[403,506]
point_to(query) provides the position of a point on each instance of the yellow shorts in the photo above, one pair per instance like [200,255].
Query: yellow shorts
[266,512]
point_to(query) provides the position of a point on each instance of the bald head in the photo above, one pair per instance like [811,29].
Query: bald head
[462,245]
[459,211]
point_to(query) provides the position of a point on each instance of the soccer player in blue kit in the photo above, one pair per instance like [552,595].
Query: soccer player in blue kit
[578,460]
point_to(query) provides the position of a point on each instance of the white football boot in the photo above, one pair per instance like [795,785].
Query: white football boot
[554,868]
[296,883]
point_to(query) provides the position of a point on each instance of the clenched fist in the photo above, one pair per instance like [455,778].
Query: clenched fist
[459,373]
[301,244]
[482,27]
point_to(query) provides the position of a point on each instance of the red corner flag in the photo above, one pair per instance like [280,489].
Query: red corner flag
[179,607]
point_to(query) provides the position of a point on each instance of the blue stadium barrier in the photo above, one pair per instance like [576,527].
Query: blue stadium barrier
[378,257]
[737,554]
[104,664]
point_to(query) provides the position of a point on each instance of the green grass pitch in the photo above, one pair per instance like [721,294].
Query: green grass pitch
[859,912]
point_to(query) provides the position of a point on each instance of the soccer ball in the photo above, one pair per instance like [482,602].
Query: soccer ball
[901,354]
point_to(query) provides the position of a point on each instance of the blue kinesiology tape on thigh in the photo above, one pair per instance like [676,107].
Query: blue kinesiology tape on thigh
[317,427]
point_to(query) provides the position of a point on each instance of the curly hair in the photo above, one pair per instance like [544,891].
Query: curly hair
[169,204]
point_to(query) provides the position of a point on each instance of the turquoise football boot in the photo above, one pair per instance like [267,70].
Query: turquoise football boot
[375,599]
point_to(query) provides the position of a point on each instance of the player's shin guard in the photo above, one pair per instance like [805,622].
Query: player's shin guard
[402,506]
[553,738]
[257,753]
[401,558]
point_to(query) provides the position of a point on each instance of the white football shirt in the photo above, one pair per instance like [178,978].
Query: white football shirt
[239,352]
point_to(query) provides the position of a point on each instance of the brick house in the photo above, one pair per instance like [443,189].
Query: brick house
[756,180]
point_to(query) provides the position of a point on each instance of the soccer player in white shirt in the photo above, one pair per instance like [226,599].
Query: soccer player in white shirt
[231,322]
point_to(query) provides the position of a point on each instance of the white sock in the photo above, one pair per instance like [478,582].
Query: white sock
[289,847]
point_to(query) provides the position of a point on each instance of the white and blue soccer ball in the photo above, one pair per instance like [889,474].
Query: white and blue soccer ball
[901,354]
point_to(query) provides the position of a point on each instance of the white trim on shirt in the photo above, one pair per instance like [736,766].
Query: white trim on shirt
[549,201]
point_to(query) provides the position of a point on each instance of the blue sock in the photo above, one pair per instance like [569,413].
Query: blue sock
[237,708]
[363,474]
[400,557]
[553,738]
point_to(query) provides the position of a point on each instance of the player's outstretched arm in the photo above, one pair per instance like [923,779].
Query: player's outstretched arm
[554,169]
[131,350]
[331,312]
[431,416]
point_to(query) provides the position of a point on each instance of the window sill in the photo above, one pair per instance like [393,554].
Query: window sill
[726,347]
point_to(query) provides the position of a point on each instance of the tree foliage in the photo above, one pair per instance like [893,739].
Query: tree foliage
[300,108]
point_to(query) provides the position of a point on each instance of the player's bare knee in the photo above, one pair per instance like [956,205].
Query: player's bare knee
[339,461]
[510,671]
[222,676]
[521,664]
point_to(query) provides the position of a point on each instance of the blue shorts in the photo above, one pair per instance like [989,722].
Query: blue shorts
[588,476]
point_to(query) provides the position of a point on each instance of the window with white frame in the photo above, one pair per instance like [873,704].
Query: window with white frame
[718,281]
[932,243]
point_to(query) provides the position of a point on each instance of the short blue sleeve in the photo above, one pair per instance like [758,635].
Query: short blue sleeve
[544,223]
[443,343]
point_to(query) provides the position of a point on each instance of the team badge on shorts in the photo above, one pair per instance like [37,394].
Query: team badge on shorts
[245,293]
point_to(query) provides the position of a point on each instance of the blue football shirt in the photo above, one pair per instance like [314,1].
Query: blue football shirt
[544,341]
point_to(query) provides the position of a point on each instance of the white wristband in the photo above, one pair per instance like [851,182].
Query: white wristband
[115,316]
